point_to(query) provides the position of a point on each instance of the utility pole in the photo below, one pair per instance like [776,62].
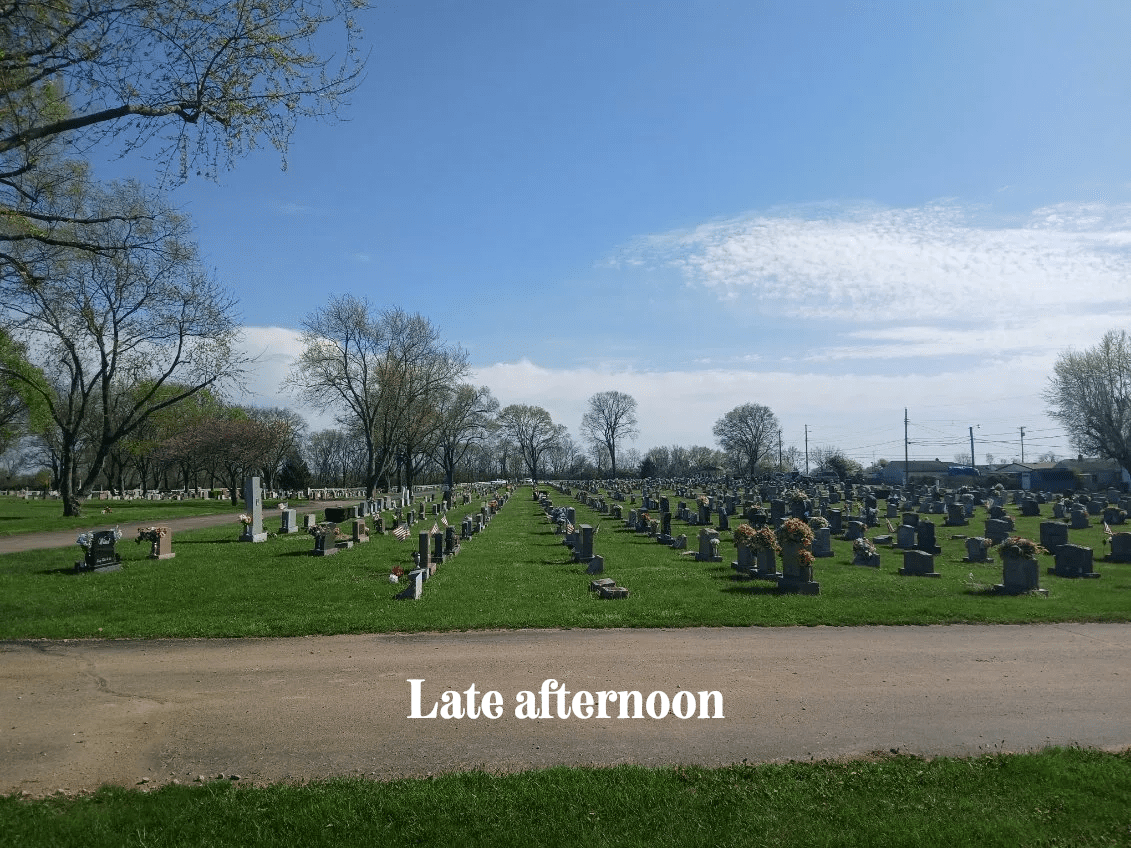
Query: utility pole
[973,464]
[906,470]
[806,450]
[1022,445]
[779,451]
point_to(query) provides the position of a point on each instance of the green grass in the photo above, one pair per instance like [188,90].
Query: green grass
[20,516]
[516,574]
[1058,797]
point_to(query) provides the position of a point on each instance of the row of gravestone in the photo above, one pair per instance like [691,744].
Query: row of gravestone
[436,547]
[579,538]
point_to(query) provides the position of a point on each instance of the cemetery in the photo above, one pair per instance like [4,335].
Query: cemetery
[528,556]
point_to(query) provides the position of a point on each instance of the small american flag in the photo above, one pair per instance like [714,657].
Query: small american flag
[444,520]
[1107,530]
[570,528]
[401,532]
[435,529]
[890,528]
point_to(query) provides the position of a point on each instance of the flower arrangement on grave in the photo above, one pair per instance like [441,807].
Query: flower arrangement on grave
[765,539]
[245,519]
[805,557]
[795,531]
[818,522]
[744,536]
[1017,547]
[703,500]
[863,548]
[151,534]
[85,540]
[326,528]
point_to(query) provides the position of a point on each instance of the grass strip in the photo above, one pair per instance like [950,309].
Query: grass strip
[1060,796]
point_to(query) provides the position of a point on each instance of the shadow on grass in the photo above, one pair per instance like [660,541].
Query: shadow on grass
[753,587]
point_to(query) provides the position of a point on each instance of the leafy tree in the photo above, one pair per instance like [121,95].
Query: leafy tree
[532,431]
[1090,395]
[286,427]
[748,431]
[112,330]
[610,419]
[829,458]
[208,79]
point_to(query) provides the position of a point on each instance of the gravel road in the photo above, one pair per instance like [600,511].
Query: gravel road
[77,714]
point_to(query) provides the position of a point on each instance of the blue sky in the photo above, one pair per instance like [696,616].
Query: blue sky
[836,209]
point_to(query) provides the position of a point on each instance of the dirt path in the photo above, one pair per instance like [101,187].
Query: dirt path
[81,713]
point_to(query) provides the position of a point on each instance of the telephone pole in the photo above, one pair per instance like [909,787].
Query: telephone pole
[1022,445]
[906,470]
[806,450]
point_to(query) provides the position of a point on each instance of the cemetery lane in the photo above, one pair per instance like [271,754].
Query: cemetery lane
[18,542]
[80,713]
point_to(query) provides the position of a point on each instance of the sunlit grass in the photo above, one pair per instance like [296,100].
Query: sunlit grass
[1064,797]
[515,574]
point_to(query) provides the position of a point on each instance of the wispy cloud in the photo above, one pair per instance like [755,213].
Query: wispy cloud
[941,262]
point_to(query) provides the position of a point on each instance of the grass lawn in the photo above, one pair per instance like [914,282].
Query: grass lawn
[1062,797]
[515,574]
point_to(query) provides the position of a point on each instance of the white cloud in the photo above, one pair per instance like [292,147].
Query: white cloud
[940,262]
[860,413]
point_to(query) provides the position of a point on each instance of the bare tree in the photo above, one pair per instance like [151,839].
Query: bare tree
[465,417]
[610,419]
[379,372]
[1090,395]
[748,431]
[533,432]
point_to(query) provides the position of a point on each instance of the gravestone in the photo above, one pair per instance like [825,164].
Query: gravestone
[925,538]
[822,542]
[1073,561]
[1030,508]
[437,547]
[956,515]
[1120,548]
[977,549]
[679,543]
[289,524]
[423,552]
[99,553]
[796,579]
[918,564]
[161,543]
[309,521]
[836,520]
[415,586]
[584,550]
[596,565]
[360,531]
[253,503]
[325,542]
[855,530]
[451,544]
[1078,519]
[905,536]
[708,546]
[1019,576]
[1053,535]
[997,530]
